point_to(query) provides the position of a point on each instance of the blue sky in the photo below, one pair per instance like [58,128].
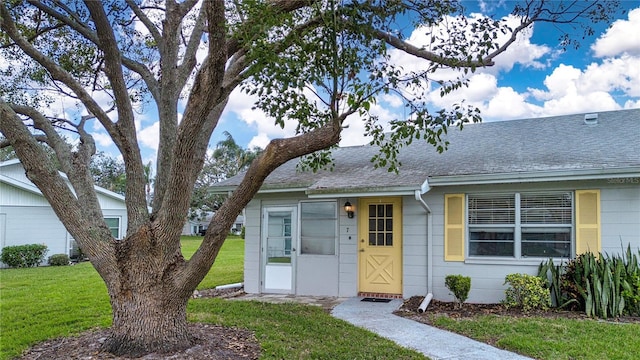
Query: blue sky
[533,79]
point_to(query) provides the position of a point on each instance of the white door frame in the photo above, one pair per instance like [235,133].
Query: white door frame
[276,276]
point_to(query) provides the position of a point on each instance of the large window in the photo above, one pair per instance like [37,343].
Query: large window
[318,221]
[520,225]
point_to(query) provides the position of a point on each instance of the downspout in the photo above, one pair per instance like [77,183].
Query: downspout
[418,195]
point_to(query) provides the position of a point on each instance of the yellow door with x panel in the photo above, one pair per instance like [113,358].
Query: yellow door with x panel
[380,245]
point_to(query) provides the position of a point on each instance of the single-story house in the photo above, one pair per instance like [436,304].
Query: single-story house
[504,197]
[27,218]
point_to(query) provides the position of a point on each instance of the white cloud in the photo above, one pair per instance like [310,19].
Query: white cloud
[622,37]
[392,100]
[150,136]
[240,106]
[102,139]
[481,87]
[489,6]
[260,140]
[570,90]
[632,104]
[615,74]
[509,104]
[522,51]
[572,103]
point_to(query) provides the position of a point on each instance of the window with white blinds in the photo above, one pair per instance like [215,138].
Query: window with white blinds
[520,225]
[318,224]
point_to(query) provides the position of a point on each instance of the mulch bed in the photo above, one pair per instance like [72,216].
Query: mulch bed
[212,342]
[440,308]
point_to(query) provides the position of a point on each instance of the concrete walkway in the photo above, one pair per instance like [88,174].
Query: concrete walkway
[437,344]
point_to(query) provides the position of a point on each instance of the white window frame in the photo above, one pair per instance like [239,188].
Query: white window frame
[336,229]
[119,218]
[517,227]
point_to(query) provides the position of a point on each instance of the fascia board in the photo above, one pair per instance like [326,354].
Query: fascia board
[334,193]
[538,176]
[226,189]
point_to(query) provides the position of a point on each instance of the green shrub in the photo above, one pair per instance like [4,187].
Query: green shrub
[553,276]
[59,260]
[23,255]
[242,232]
[604,285]
[631,295]
[526,292]
[458,285]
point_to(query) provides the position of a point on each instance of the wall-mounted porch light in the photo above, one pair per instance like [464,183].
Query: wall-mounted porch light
[348,208]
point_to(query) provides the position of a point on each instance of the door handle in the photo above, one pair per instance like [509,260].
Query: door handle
[361,250]
[293,250]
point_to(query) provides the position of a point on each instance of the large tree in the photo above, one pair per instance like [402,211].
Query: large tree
[310,62]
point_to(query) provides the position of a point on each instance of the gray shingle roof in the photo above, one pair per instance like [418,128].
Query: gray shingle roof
[511,148]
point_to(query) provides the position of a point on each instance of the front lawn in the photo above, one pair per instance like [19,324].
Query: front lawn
[43,303]
[229,265]
[46,302]
[551,338]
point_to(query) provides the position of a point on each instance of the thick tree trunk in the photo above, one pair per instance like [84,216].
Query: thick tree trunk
[149,308]
[148,322]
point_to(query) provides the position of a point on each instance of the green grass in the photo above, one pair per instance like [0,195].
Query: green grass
[229,265]
[43,303]
[294,331]
[544,338]
[48,302]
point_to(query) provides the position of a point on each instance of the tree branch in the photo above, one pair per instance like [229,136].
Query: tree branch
[125,134]
[191,141]
[59,146]
[153,30]
[189,59]
[74,22]
[56,72]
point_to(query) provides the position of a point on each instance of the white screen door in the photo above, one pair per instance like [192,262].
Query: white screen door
[279,249]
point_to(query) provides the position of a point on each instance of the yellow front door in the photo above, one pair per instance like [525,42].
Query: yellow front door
[380,245]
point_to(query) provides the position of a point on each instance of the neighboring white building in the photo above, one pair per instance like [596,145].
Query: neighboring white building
[503,198]
[27,218]
[199,227]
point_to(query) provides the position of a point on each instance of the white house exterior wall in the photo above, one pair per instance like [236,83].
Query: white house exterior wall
[34,225]
[620,217]
[13,196]
[252,247]
[27,218]
[39,225]
[344,271]
[414,248]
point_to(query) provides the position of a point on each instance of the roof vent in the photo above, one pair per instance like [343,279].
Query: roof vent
[591,119]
